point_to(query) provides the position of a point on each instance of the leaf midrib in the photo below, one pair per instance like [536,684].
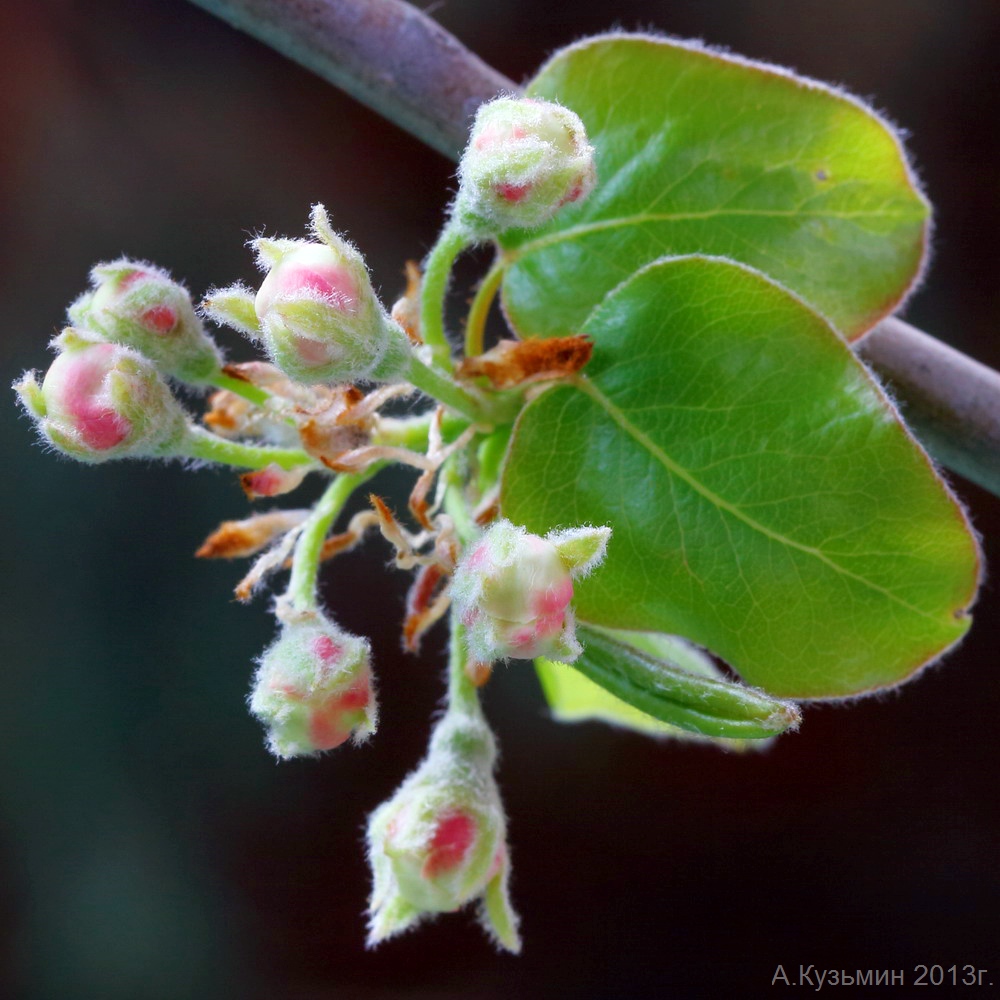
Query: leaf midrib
[586,228]
[588,388]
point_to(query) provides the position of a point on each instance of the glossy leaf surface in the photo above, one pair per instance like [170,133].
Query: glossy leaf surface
[699,152]
[767,503]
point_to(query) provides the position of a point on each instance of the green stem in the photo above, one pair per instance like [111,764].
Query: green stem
[437,271]
[240,387]
[212,448]
[478,408]
[414,432]
[305,561]
[480,308]
[456,505]
[442,388]
[462,693]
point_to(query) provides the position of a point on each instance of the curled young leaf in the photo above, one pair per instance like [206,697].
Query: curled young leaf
[663,690]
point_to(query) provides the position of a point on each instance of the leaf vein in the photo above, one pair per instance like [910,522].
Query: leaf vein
[588,388]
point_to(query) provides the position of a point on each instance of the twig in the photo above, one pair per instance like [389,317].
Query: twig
[951,401]
[387,54]
[409,69]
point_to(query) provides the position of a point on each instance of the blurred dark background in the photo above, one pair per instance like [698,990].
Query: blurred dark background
[150,848]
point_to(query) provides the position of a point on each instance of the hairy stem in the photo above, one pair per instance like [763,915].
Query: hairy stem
[478,408]
[480,309]
[462,693]
[306,558]
[240,387]
[456,505]
[414,432]
[433,290]
[212,448]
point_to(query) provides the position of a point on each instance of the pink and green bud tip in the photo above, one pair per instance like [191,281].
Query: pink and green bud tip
[316,312]
[313,688]
[524,161]
[512,590]
[441,841]
[100,401]
[140,306]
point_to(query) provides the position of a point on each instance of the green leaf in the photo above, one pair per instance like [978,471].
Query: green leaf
[767,502]
[574,697]
[700,152]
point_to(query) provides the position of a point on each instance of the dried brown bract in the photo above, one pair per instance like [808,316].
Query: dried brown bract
[519,362]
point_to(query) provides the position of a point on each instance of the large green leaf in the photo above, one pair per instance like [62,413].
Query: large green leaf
[699,152]
[767,503]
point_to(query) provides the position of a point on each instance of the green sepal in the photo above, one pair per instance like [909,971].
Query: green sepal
[233,307]
[497,916]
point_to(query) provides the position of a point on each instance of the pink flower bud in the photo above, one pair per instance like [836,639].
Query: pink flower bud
[316,311]
[313,688]
[272,481]
[440,841]
[310,270]
[140,306]
[512,590]
[525,159]
[100,401]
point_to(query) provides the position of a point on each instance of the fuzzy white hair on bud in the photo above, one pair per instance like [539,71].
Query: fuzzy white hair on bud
[316,313]
[233,307]
[581,549]
[440,842]
[313,689]
[512,590]
[525,159]
[100,401]
[138,305]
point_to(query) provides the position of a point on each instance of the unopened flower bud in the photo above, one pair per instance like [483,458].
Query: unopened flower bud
[100,401]
[316,311]
[313,688]
[441,841]
[525,159]
[272,481]
[512,590]
[140,306]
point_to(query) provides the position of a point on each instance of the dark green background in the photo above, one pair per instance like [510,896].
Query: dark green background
[149,846]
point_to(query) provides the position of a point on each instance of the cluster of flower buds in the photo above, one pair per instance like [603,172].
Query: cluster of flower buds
[441,840]
[313,688]
[440,843]
[140,306]
[512,590]
[100,401]
[525,159]
[316,312]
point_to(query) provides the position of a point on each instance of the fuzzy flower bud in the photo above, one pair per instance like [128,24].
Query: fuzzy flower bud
[512,590]
[100,401]
[525,159]
[313,688]
[140,306]
[316,311]
[441,840]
